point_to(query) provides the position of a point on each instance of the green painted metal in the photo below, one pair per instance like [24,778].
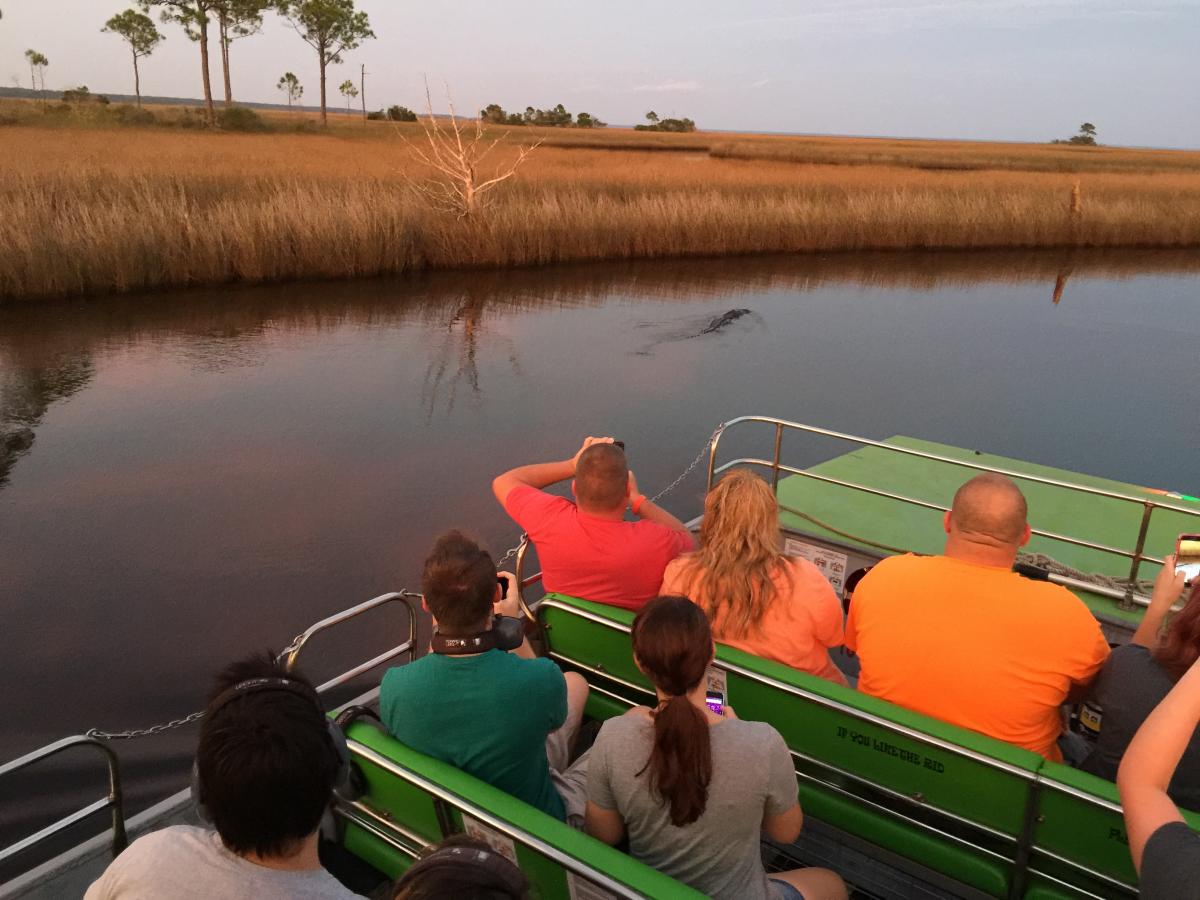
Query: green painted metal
[409,805]
[1097,519]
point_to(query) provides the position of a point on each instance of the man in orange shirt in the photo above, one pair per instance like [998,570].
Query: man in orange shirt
[964,639]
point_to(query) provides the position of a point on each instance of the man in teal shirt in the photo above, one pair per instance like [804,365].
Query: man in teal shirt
[507,718]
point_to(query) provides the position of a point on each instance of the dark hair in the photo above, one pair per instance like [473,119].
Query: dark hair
[1179,646]
[459,582]
[602,476]
[673,643]
[265,760]
[480,875]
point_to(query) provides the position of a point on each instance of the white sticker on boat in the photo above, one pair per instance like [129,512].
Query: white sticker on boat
[831,563]
[582,889]
[501,843]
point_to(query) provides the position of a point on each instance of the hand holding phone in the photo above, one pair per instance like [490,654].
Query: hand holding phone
[715,692]
[1187,557]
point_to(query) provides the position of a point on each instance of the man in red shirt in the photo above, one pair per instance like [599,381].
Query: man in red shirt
[587,549]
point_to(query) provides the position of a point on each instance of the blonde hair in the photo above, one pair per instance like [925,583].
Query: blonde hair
[731,576]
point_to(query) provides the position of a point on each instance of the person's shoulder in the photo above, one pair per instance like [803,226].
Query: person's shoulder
[1171,859]
[172,841]
[528,496]
[398,676]
[753,734]
[1055,600]
[619,730]
[540,670]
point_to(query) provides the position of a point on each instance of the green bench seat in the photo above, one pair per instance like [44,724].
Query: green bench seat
[414,800]
[947,799]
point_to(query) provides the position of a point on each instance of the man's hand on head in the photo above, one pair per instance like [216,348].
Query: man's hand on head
[510,605]
[587,442]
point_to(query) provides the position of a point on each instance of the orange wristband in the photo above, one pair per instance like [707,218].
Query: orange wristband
[636,504]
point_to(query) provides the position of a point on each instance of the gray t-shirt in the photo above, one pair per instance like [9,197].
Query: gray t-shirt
[718,854]
[188,863]
[1130,686]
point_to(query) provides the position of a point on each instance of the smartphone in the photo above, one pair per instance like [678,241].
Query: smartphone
[715,691]
[1187,557]
[715,701]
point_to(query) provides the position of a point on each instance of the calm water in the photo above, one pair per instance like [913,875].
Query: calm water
[190,476]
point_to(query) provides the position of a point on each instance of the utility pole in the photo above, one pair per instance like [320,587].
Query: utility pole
[362,89]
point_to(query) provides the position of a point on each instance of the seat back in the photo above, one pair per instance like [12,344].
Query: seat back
[937,797]
[413,800]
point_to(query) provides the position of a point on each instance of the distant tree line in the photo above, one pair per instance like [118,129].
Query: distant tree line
[558,117]
[654,123]
[1086,136]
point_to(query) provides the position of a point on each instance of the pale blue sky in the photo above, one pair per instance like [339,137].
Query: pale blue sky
[993,69]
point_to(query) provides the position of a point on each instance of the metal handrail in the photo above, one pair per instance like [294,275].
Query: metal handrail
[1136,557]
[291,653]
[114,801]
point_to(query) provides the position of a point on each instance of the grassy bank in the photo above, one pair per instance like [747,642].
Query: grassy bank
[85,210]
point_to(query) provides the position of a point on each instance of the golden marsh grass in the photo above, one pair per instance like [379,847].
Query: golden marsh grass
[85,210]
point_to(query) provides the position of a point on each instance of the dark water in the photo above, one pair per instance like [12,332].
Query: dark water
[189,476]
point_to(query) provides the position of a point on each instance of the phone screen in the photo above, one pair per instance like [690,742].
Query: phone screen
[1187,556]
[715,701]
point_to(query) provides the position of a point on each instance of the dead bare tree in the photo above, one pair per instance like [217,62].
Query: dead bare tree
[455,151]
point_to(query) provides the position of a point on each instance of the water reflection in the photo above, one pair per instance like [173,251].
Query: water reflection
[46,348]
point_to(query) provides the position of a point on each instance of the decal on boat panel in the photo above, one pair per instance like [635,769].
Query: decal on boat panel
[831,563]
[873,743]
[501,843]
[582,889]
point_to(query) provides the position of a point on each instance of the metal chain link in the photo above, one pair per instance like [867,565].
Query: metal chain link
[144,732]
[692,467]
[512,551]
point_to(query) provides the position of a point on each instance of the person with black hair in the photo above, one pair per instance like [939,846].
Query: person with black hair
[692,789]
[463,868]
[266,766]
[507,718]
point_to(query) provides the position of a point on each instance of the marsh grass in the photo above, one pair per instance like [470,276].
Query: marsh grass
[94,210]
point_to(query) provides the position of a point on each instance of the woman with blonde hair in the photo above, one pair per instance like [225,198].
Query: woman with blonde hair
[757,598]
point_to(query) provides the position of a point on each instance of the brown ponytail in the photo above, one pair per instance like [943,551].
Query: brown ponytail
[673,643]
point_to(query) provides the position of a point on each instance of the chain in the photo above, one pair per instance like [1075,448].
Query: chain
[692,467]
[145,732]
[512,551]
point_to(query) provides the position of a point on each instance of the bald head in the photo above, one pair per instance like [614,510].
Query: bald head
[990,508]
[602,478]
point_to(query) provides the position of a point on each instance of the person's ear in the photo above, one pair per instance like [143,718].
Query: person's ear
[425,606]
[637,662]
[946,522]
[573,494]
[1026,533]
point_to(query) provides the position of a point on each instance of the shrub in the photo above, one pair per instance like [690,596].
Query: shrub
[401,114]
[240,118]
[127,114]
[377,116]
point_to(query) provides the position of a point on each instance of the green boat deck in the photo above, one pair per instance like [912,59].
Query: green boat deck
[1102,520]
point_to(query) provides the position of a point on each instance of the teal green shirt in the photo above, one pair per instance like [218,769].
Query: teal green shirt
[489,715]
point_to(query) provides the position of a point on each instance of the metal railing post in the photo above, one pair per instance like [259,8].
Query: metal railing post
[775,458]
[1143,529]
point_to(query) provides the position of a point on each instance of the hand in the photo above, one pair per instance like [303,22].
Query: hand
[587,442]
[1168,586]
[510,605]
[728,713]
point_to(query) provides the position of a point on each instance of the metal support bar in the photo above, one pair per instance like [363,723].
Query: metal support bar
[1147,510]
[775,458]
[114,801]
[291,653]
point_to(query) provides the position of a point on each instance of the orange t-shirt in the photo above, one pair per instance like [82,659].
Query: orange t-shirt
[804,619]
[976,646]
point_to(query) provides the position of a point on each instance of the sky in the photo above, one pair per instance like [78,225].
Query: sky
[1021,70]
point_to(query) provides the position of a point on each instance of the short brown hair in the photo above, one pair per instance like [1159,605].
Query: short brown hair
[458,581]
[990,504]
[602,476]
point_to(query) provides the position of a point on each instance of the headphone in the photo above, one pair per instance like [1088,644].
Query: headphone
[347,783]
[487,861]
[506,634]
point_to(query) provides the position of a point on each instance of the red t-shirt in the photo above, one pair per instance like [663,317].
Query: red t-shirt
[605,560]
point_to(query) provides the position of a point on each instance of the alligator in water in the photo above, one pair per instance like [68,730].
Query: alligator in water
[719,322]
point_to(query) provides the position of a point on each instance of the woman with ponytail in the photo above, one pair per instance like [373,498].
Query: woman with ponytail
[692,789]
